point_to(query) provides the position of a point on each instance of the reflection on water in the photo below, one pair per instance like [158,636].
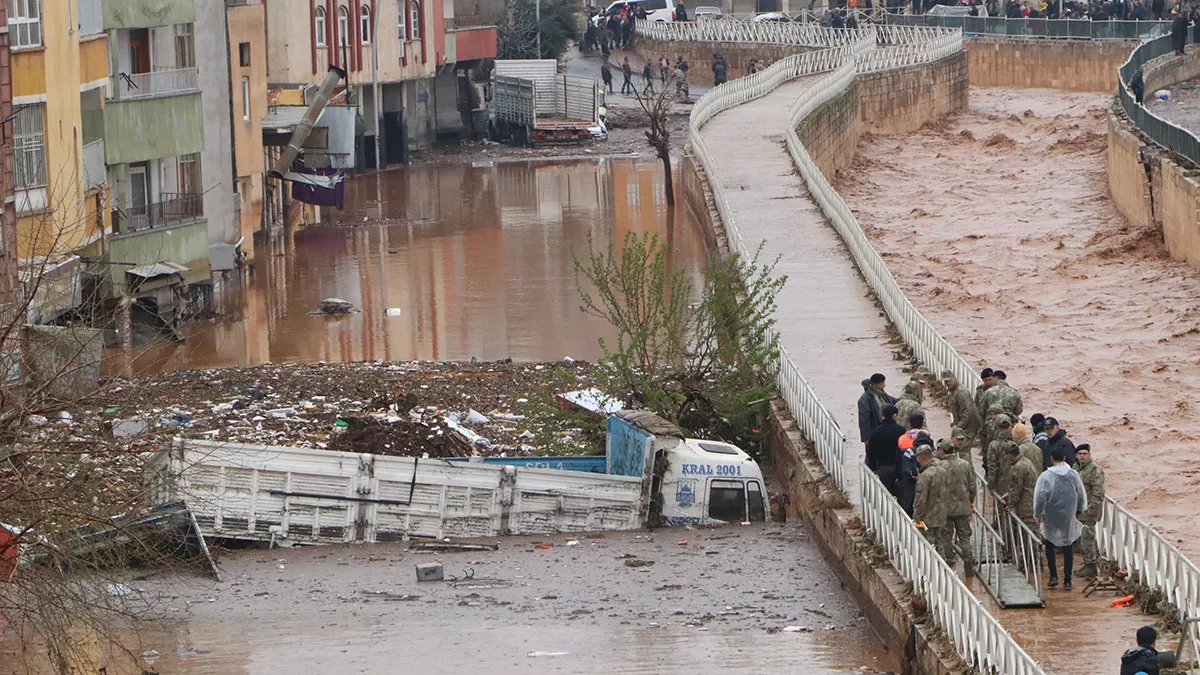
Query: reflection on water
[471,261]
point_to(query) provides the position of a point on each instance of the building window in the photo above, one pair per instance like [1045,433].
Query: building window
[29,146]
[319,14]
[189,174]
[25,23]
[245,97]
[401,24]
[185,49]
[244,54]
[365,24]
[343,26]
[415,8]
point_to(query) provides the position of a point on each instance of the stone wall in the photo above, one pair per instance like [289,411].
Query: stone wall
[1071,65]
[1150,186]
[699,55]
[830,133]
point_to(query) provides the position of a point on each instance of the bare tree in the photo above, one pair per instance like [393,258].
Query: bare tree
[656,105]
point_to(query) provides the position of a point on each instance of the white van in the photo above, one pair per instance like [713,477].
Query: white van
[709,482]
[656,10]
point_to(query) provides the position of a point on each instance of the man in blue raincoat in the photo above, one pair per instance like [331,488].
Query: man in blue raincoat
[1058,500]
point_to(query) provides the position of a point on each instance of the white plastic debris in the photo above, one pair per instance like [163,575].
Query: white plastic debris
[474,417]
[37,421]
[393,311]
[118,590]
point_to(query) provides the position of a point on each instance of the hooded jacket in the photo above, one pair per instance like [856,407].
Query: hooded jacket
[1058,440]
[870,411]
[1139,659]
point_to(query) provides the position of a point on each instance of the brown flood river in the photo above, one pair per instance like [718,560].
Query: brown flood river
[470,261]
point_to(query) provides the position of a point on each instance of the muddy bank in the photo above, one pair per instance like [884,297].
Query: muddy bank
[737,599]
[998,224]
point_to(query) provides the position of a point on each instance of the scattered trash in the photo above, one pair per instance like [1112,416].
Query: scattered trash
[573,542]
[1122,602]
[130,428]
[37,421]
[545,546]
[430,572]
[591,400]
[541,654]
[797,629]
[393,311]
[118,590]
[638,562]
[475,418]
[150,654]
[626,556]
[62,415]
[334,306]
[681,543]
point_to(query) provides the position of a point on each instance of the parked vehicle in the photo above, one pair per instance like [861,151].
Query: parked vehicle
[289,495]
[771,17]
[707,12]
[656,10]
[533,104]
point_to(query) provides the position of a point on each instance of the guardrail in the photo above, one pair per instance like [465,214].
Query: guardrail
[1017,543]
[767,32]
[911,47]
[977,635]
[156,83]
[1171,136]
[1077,29]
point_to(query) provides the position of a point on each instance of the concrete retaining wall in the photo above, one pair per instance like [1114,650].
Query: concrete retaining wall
[1071,65]
[1148,185]
[699,55]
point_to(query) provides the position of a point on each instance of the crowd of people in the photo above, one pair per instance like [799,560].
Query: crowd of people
[1031,466]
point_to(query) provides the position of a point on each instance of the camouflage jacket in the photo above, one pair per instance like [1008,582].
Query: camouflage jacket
[963,411]
[962,485]
[1022,479]
[931,504]
[908,406]
[981,404]
[1007,397]
[1031,452]
[1093,483]
[996,464]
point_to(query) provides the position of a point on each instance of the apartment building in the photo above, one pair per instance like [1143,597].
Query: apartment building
[8,206]
[403,46]
[247,48]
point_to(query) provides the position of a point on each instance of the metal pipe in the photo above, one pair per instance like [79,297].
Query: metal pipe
[304,128]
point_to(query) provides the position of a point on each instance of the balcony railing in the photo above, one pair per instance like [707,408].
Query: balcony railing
[91,18]
[156,83]
[174,208]
[470,21]
[93,163]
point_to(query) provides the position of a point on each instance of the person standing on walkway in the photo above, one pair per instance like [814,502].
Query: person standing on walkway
[1144,657]
[720,68]
[1022,483]
[882,448]
[907,471]
[961,503]
[1056,437]
[959,438]
[1092,477]
[1058,500]
[988,433]
[995,466]
[1137,86]
[1006,396]
[908,405]
[648,79]
[682,15]
[664,69]
[989,378]
[870,405]
[1196,25]
[1033,453]
[931,504]
[963,413]
[681,83]
[627,72]
[1179,31]
[606,75]
[1158,7]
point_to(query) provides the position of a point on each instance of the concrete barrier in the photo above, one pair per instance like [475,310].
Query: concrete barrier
[1070,65]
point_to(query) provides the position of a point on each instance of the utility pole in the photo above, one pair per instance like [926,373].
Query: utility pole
[375,102]
[537,18]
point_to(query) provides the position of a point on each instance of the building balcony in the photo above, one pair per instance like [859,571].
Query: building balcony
[155,84]
[174,209]
[147,13]
[142,128]
[470,43]
[93,163]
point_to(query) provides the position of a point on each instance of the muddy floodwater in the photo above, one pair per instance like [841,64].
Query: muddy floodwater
[443,262]
[735,599]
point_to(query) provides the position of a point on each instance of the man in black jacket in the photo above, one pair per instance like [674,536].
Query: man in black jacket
[1144,657]
[882,446]
[870,405]
[1056,437]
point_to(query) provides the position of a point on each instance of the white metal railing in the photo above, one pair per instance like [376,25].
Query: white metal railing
[1017,544]
[91,18]
[156,83]
[910,50]
[93,163]
[779,33]
[977,635]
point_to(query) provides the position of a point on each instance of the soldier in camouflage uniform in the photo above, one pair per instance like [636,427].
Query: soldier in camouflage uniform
[1022,479]
[988,433]
[931,505]
[981,404]
[1029,450]
[1093,484]
[962,502]
[908,405]
[963,412]
[996,468]
[1006,396]
[962,445]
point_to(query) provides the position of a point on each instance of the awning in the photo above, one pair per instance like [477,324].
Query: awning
[158,269]
[327,182]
